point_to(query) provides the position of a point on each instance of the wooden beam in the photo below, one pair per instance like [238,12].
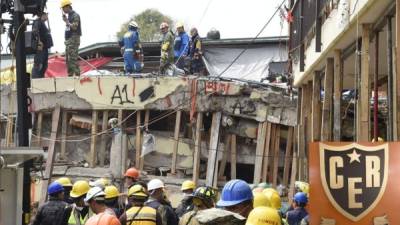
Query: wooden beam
[146,119]
[262,127]
[397,56]
[225,153]
[270,156]
[197,147]
[120,117]
[176,141]
[326,130]
[50,154]
[138,142]
[293,176]
[365,89]
[104,127]
[39,129]
[93,152]
[9,130]
[288,156]
[212,169]
[316,108]
[233,156]
[376,80]
[266,152]
[337,95]
[64,127]
[276,156]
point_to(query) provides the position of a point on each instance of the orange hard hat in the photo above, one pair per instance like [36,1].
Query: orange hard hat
[132,172]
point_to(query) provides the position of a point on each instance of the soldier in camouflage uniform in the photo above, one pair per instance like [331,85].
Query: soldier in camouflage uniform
[167,50]
[73,34]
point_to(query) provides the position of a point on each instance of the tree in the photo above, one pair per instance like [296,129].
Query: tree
[149,23]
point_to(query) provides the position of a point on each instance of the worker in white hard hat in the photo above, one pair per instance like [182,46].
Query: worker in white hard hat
[181,45]
[132,49]
[158,201]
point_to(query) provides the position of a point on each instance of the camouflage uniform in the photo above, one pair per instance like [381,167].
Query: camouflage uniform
[167,52]
[72,41]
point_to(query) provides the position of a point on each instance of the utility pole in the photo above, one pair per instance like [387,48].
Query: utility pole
[22,101]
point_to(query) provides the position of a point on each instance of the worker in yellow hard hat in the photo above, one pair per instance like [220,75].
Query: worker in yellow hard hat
[260,199]
[78,213]
[67,184]
[263,216]
[111,200]
[167,50]
[186,204]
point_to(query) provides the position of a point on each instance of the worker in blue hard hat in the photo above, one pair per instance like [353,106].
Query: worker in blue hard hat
[296,215]
[237,197]
[52,212]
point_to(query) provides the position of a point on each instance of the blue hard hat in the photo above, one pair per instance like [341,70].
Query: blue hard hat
[300,197]
[235,192]
[54,188]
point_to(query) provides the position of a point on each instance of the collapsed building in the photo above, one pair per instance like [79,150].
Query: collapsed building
[226,125]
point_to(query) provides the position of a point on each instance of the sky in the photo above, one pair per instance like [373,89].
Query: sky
[101,19]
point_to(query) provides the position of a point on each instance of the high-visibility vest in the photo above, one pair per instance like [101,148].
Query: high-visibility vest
[75,218]
[141,215]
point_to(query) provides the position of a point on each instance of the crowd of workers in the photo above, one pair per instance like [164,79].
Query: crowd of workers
[141,203]
[179,52]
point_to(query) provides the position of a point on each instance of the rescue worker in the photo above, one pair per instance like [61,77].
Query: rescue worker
[52,212]
[167,50]
[158,201]
[45,41]
[187,202]
[237,197]
[203,198]
[67,185]
[131,177]
[263,216]
[131,49]
[111,200]
[104,216]
[73,33]
[195,52]
[139,213]
[295,216]
[79,212]
[181,46]
[275,202]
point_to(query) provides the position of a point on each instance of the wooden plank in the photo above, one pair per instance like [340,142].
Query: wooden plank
[316,108]
[104,127]
[212,173]
[9,131]
[64,127]
[326,130]
[120,117]
[233,156]
[138,142]
[176,141]
[93,152]
[266,152]
[293,177]
[50,153]
[197,147]
[288,156]
[276,156]
[337,95]
[259,152]
[146,119]
[225,153]
[270,156]
[364,92]
[39,129]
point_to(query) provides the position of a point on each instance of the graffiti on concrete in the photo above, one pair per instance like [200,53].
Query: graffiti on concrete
[244,107]
[121,95]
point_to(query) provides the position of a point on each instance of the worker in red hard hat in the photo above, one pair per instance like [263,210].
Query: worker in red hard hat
[131,177]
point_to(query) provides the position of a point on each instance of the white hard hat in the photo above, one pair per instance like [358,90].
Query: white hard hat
[95,193]
[155,184]
[133,24]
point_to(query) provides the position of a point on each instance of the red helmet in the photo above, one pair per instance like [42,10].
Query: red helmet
[132,172]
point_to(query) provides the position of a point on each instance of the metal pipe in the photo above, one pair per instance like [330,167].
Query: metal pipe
[390,79]
[375,131]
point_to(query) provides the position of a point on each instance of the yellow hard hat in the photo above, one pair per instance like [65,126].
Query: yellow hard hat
[65,3]
[302,186]
[64,181]
[187,185]
[263,216]
[270,190]
[80,187]
[260,199]
[179,24]
[111,192]
[137,190]
[274,199]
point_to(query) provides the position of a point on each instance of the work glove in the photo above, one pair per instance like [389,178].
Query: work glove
[164,55]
